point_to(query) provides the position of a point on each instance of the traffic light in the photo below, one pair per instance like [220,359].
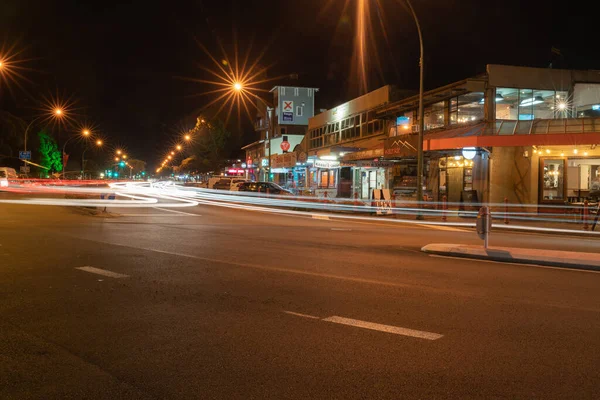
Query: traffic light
[122,164]
[143,173]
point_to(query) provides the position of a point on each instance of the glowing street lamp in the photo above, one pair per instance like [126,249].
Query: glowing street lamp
[178,147]
[99,142]
[187,138]
[117,158]
[58,112]
[85,132]
[172,153]
[124,156]
[237,86]
[119,152]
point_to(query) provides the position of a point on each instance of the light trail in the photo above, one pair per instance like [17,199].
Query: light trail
[167,194]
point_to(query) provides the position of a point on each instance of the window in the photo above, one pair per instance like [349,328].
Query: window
[434,116]
[466,108]
[299,111]
[553,175]
[530,104]
[327,178]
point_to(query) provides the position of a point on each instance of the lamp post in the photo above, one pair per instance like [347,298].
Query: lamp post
[85,133]
[99,143]
[421,117]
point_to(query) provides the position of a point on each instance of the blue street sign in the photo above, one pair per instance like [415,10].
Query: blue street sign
[24,155]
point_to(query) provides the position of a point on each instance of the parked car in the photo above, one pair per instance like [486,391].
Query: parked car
[222,184]
[6,174]
[236,182]
[261,187]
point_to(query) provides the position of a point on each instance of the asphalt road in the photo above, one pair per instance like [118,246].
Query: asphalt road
[217,303]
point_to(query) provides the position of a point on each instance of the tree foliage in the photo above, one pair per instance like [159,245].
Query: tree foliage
[209,150]
[50,156]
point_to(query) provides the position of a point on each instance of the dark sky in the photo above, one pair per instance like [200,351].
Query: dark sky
[122,60]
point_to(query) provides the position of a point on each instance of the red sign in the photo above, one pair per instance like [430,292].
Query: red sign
[285,146]
[235,171]
[249,162]
[288,106]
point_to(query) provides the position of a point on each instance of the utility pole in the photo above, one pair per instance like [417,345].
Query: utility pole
[420,160]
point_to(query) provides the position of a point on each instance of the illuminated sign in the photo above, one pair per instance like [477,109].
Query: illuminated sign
[596,107]
[402,121]
[235,171]
[326,164]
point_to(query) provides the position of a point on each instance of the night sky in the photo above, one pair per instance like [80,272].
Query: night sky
[123,61]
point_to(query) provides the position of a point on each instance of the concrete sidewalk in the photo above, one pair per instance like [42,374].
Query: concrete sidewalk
[553,258]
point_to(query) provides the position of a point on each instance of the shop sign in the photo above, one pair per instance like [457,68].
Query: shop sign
[382,200]
[326,164]
[368,164]
[364,154]
[401,146]
[285,160]
[264,162]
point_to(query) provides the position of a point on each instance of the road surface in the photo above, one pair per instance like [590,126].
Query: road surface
[219,303]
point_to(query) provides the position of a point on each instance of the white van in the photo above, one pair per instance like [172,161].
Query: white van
[6,174]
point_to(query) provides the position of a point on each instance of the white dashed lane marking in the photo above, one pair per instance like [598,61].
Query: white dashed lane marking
[396,330]
[102,272]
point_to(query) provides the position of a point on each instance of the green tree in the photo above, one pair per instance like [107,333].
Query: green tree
[50,156]
[210,147]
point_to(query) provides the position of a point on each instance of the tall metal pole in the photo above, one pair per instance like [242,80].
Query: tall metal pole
[421,118]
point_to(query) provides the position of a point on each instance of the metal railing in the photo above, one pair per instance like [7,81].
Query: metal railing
[543,126]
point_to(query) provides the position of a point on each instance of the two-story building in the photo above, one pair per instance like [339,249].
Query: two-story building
[529,135]
[526,134]
[281,125]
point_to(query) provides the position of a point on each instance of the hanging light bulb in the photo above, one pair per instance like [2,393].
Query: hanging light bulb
[574,151]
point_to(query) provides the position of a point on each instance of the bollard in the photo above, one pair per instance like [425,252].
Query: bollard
[444,208]
[585,216]
[506,210]
[356,202]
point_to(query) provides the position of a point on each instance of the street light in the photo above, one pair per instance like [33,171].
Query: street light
[187,138]
[84,133]
[421,116]
[237,86]
[124,156]
[99,142]
[117,158]
[119,152]
[178,147]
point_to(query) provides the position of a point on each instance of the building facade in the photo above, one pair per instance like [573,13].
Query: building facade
[529,135]
[281,125]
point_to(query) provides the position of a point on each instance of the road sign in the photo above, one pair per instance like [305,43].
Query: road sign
[25,169]
[285,145]
[288,106]
[24,155]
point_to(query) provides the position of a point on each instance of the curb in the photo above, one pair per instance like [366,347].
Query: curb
[511,259]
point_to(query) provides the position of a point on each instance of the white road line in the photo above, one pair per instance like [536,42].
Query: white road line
[177,212]
[341,229]
[396,330]
[323,217]
[103,272]
[514,263]
[301,315]
[443,228]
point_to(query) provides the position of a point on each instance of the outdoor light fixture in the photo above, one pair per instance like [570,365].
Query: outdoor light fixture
[575,151]
[562,106]
[532,101]
[469,153]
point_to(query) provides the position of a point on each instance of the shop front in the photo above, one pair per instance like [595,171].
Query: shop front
[324,177]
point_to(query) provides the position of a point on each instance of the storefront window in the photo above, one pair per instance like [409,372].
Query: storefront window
[553,173]
[530,104]
[434,116]
[327,178]
[466,108]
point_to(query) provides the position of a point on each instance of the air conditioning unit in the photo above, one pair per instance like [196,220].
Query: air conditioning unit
[415,128]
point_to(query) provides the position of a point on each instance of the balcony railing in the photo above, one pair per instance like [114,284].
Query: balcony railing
[261,125]
[543,126]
